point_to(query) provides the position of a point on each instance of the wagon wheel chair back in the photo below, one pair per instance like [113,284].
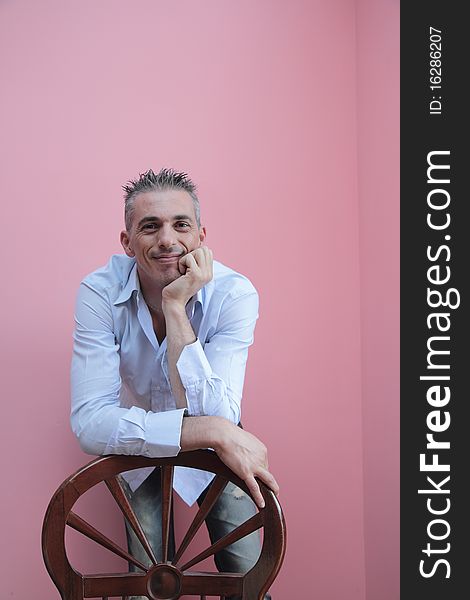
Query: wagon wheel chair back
[169,579]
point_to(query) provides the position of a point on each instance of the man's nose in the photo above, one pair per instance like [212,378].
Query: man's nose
[166,236]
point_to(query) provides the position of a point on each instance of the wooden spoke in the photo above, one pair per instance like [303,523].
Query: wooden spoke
[213,493]
[212,584]
[117,490]
[114,584]
[241,531]
[167,496]
[90,532]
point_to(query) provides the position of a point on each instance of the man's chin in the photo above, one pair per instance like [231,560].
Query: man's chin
[170,275]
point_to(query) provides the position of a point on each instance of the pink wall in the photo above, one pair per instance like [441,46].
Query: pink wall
[378,168]
[257,101]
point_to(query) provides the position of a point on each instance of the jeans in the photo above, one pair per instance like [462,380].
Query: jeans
[232,508]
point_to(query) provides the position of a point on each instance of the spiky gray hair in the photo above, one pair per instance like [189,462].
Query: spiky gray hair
[165,179]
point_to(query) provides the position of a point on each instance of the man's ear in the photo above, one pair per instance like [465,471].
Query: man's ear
[125,242]
[202,234]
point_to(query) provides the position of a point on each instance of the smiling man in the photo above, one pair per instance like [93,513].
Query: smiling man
[160,349]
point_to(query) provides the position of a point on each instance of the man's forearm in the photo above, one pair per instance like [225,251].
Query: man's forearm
[197,268]
[202,432]
[179,334]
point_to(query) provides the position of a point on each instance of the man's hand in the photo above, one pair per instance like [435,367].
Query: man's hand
[196,268]
[241,451]
[247,456]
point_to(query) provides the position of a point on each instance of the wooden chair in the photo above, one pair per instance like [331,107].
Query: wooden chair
[167,579]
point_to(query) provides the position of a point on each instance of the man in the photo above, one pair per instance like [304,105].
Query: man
[160,348]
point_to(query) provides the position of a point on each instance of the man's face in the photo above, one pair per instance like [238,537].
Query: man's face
[164,228]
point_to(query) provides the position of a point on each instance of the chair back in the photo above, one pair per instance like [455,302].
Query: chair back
[166,579]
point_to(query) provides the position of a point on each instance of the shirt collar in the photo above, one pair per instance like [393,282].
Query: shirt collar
[133,285]
[191,305]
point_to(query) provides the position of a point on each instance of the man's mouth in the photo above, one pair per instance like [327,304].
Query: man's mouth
[167,258]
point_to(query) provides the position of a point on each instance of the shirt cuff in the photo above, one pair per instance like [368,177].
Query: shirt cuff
[162,432]
[193,368]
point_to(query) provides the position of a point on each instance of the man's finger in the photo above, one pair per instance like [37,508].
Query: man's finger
[268,479]
[255,491]
[200,256]
[204,252]
[208,253]
[203,258]
[182,265]
[188,261]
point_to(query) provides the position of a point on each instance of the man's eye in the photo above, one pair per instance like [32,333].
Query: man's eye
[149,226]
[182,224]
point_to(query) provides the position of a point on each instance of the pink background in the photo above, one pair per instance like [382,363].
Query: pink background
[286,116]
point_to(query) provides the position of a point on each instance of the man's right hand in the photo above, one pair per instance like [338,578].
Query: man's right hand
[241,451]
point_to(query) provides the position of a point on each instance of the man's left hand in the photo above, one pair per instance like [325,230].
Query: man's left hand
[197,270]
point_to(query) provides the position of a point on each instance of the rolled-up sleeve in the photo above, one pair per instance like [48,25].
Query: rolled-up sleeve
[98,421]
[213,374]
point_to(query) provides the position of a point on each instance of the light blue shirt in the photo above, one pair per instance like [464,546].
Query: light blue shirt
[122,401]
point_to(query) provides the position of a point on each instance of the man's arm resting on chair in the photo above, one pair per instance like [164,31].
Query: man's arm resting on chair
[241,451]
